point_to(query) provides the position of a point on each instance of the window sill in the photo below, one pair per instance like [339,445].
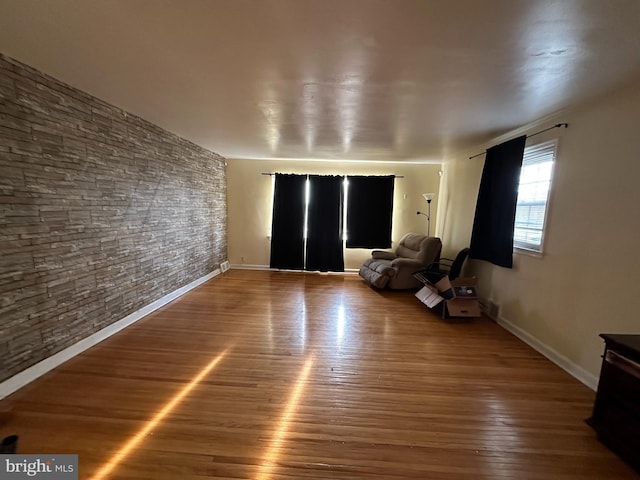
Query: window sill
[528,252]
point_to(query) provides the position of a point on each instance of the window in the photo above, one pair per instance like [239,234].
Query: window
[533,196]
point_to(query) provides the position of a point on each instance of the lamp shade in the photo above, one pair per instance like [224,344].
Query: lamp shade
[428,196]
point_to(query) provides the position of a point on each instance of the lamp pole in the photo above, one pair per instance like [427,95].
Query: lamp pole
[428,197]
[428,217]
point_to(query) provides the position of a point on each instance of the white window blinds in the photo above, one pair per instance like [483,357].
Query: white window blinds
[533,196]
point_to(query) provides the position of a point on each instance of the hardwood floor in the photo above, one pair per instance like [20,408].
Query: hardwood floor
[263,375]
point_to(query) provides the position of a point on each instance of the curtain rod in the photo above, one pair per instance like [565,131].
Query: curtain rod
[395,176]
[557,125]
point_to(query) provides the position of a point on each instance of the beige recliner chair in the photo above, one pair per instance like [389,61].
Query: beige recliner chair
[395,269]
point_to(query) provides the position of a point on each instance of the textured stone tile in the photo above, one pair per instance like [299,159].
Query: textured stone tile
[101,213]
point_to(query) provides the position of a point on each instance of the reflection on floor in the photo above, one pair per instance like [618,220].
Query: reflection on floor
[268,375]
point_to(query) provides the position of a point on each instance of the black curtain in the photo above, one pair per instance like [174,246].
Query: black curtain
[370,211]
[492,235]
[287,227]
[324,224]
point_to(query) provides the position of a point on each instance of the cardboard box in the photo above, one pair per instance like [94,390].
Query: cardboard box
[459,297]
[429,296]
[464,302]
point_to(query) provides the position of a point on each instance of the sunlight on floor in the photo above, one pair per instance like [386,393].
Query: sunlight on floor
[270,457]
[133,442]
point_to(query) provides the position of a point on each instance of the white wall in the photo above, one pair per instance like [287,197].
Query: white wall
[585,282]
[250,201]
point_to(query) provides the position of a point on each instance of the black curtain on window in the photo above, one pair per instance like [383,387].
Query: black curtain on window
[324,224]
[370,211]
[492,235]
[287,227]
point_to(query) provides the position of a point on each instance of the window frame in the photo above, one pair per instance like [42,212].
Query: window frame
[530,248]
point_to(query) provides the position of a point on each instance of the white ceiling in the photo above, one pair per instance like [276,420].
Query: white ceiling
[332,79]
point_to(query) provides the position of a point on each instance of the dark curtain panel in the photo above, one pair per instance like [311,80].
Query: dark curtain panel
[287,227]
[324,224]
[370,212]
[492,235]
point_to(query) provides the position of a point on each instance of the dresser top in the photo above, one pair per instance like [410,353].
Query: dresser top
[629,343]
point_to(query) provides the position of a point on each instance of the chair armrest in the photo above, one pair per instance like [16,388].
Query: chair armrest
[439,266]
[382,255]
[407,263]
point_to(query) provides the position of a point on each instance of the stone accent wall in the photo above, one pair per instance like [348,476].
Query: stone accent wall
[101,214]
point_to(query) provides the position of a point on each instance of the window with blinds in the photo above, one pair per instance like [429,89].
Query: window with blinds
[533,196]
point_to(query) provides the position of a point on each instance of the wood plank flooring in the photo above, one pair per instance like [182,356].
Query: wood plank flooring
[268,375]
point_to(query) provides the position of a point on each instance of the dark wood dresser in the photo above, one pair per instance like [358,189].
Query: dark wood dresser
[616,412]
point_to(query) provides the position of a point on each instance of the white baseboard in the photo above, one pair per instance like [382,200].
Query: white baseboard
[563,362]
[244,266]
[27,376]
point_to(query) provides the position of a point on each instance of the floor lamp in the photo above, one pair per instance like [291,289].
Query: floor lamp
[428,197]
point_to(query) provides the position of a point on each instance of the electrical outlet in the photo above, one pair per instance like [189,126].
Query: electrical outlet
[224,266]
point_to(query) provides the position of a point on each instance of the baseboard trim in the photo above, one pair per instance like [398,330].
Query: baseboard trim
[244,266]
[560,360]
[27,376]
